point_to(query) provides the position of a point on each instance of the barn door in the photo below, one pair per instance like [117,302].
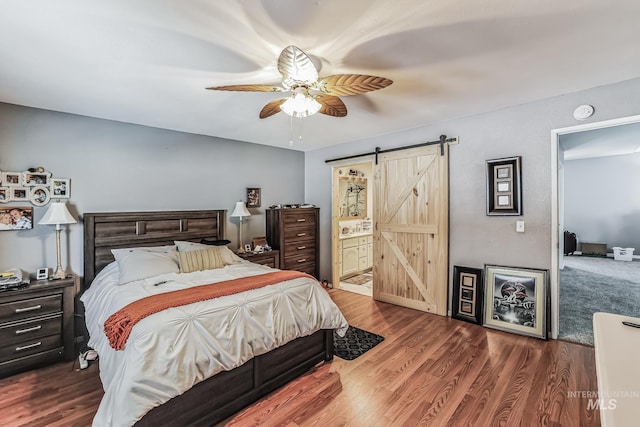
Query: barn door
[411,228]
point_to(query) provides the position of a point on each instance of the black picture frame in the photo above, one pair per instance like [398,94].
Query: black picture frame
[468,294]
[254,198]
[504,186]
[516,300]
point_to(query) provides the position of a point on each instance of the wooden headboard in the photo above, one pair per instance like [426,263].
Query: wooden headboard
[114,230]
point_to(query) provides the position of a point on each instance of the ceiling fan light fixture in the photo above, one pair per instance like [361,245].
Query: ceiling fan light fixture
[300,105]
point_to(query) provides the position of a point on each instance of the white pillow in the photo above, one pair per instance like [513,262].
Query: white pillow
[143,262]
[227,254]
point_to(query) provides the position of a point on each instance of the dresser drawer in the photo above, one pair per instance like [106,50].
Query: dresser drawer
[27,330]
[32,346]
[305,267]
[32,307]
[298,234]
[291,219]
[299,257]
[308,248]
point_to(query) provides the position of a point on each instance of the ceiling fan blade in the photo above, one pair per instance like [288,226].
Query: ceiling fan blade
[296,67]
[271,108]
[249,88]
[351,84]
[331,105]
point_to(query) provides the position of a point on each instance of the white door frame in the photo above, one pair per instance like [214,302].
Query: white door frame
[555,203]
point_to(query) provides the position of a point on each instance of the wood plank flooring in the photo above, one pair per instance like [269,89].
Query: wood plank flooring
[429,371]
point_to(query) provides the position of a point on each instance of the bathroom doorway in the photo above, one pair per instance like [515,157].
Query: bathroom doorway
[352,212]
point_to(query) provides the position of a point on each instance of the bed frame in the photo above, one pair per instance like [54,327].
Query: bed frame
[224,394]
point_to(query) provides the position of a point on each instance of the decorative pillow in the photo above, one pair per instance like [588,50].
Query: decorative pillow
[198,260]
[215,242]
[143,262]
[227,254]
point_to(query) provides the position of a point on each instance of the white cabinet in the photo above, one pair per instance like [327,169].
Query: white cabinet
[355,255]
[350,260]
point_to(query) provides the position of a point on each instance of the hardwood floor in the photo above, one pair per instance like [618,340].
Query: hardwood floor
[429,370]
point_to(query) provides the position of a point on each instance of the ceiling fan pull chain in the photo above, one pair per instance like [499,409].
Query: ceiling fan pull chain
[290,131]
[300,136]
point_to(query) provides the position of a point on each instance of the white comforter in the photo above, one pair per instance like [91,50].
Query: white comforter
[168,352]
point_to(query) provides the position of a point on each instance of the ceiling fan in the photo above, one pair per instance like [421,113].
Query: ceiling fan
[309,93]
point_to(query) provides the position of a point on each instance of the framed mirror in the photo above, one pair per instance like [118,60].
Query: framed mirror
[353,198]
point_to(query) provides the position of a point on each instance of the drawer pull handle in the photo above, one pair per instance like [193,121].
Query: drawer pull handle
[301,260]
[302,234]
[301,248]
[24,331]
[22,310]
[27,347]
[301,219]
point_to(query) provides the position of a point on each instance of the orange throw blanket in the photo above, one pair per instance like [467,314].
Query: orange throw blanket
[119,325]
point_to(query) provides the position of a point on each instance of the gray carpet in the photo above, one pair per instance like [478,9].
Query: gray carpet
[589,285]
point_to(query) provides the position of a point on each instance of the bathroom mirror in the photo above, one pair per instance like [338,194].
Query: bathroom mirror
[353,198]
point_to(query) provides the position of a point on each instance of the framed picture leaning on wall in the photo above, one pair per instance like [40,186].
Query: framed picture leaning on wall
[515,300]
[468,294]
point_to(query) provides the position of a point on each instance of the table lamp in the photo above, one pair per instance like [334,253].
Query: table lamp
[240,211]
[58,214]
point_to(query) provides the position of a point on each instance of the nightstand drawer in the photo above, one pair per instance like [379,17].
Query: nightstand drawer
[33,346]
[32,307]
[25,331]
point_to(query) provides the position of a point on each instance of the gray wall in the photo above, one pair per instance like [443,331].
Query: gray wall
[524,130]
[602,201]
[116,166]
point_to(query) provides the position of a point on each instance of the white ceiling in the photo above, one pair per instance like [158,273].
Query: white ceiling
[149,61]
[610,141]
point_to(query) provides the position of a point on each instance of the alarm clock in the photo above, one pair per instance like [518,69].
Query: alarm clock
[42,274]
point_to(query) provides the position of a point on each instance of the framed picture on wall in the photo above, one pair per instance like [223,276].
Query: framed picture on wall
[20,194]
[36,178]
[60,188]
[11,179]
[468,294]
[504,186]
[40,195]
[5,194]
[16,218]
[253,198]
[515,300]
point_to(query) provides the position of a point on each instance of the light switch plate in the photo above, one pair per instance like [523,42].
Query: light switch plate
[520,226]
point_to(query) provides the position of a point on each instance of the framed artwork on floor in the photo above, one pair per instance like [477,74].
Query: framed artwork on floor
[468,294]
[504,186]
[515,300]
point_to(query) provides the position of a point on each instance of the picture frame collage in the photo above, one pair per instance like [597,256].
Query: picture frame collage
[504,186]
[510,299]
[37,188]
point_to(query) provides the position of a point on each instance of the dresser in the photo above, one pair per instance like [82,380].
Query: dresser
[295,233]
[270,259]
[36,324]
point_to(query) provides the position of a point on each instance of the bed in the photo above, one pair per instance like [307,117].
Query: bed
[277,360]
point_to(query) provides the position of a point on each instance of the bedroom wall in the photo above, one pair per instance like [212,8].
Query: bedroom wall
[524,130]
[602,202]
[117,166]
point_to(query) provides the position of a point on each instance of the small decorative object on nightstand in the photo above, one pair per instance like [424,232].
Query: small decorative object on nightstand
[36,324]
[270,259]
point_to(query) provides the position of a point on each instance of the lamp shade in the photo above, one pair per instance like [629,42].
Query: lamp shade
[57,214]
[240,210]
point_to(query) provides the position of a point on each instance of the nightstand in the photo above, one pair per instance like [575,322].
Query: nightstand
[36,324]
[270,259]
